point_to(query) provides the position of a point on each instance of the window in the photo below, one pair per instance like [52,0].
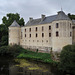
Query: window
[57,25]
[36,28]
[21,35]
[49,34]
[46,40]
[70,34]
[49,27]
[37,40]
[30,35]
[42,34]
[42,28]
[25,35]
[25,30]
[57,34]
[36,35]
[70,25]
[29,29]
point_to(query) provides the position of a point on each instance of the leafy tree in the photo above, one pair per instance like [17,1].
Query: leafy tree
[3,35]
[9,18]
[71,16]
[67,59]
[7,21]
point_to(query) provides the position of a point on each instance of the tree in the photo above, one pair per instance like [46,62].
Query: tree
[9,18]
[71,16]
[3,35]
[67,59]
[7,21]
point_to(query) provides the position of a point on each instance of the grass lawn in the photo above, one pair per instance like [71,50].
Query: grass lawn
[43,57]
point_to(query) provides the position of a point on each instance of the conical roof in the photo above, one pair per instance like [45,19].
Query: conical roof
[14,24]
[62,16]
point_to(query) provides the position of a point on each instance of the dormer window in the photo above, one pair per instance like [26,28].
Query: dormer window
[57,25]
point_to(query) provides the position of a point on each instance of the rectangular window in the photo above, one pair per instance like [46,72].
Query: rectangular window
[42,34]
[46,40]
[57,34]
[25,35]
[29,29]
[21,35]
[42,40]
[37,40]
[25,30]
[36,28]
[57,25]
[36,35]
[42,28]
[49,27]
[49,34]
[70,34]
[70,25]
[30,35]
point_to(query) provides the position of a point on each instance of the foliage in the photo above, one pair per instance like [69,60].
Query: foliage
[19,52]
[11,50]
[9,18]
[43,57]
[7,21]
[3,35]
[71,16]
[67,59]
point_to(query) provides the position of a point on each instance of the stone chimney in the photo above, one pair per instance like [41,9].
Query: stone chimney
[42,17]
[30,19]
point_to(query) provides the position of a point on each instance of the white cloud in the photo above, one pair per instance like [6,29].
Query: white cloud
[34,8]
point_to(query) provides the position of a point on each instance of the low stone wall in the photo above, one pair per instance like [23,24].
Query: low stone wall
[38,48]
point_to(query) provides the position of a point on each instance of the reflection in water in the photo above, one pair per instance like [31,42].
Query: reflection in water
[24,67]
[4,66]
[28,68]
[24,71]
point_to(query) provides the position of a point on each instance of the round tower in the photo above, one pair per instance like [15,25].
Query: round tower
[62,32]
[14,33]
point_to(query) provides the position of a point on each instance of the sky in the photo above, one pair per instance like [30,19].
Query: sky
[34,8]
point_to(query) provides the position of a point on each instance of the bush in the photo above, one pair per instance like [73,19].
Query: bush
[19,52]
[14,50]
[67,59]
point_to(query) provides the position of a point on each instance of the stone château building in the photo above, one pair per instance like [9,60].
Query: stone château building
[45,33]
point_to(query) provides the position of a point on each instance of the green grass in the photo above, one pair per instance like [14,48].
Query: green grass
[43,57]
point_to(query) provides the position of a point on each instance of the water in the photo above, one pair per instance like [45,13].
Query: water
[9,66]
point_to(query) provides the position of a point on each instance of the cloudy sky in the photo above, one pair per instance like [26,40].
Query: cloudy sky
[34,8]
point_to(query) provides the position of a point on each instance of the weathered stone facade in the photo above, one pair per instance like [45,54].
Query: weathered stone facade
[44,34]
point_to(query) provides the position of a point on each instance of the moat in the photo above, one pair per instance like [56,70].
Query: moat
[9,66]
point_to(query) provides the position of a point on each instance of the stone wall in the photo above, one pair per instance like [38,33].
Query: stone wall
[14,35]
[64,34]
[39,42]
[73,34]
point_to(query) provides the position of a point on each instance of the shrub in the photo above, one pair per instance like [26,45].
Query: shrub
[67,59]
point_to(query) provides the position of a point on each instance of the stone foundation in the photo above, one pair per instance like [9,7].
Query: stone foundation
[38,48]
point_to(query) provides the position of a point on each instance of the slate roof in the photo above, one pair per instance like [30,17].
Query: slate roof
[14,24]
[60,16]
